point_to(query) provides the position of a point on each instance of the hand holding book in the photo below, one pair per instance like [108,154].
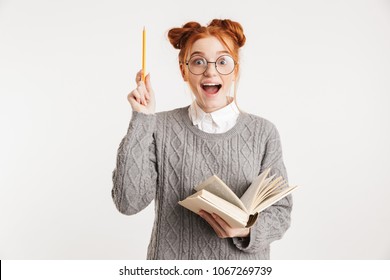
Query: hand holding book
[214,196]
[221,228]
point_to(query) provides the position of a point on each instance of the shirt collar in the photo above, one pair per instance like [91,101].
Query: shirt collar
[220,117]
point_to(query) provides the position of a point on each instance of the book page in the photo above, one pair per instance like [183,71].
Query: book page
[204,200]
[273,199]
[251,193]
[273,187]
[216,186]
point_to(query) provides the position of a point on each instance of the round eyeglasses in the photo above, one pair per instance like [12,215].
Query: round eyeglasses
[224,64]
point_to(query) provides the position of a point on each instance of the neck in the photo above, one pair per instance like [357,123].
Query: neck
[213,109]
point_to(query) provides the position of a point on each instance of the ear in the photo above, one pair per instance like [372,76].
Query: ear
[183,72]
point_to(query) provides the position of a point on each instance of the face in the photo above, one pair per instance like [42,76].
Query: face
[210,88]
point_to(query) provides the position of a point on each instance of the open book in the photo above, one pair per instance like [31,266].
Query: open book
[214,196]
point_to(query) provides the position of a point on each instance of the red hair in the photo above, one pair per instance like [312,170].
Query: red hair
[228,32]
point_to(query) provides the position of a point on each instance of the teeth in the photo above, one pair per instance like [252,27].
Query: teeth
[210,85]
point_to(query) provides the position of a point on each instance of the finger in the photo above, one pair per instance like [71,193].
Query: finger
[141,86]
[210,220]
[142,91]
[135,95]
[139,97]
[134,104]
[230,231]
[221,222]
[138,77]
[222,226]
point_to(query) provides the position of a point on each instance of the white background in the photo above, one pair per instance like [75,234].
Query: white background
[319,70]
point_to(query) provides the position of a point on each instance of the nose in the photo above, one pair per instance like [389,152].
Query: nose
[211,70]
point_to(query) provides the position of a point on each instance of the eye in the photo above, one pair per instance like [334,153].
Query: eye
[198,61]
[224,61]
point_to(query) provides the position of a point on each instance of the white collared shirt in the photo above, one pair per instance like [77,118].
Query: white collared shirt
[218,121]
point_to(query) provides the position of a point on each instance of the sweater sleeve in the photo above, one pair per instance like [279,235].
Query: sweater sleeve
[274,221]
[135,175]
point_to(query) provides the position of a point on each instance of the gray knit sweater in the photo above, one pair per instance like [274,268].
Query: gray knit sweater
[163,156]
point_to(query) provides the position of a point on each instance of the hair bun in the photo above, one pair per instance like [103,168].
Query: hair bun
[234,28]
[179,36]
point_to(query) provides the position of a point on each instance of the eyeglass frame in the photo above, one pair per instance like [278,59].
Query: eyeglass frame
[215,64]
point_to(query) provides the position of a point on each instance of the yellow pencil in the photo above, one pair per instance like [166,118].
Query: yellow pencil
[143,54]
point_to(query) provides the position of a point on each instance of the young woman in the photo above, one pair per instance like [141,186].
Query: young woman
[164,155]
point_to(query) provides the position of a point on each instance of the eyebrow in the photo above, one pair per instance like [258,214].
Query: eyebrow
[202,53]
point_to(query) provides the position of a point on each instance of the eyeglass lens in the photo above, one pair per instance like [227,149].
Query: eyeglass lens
[224,65]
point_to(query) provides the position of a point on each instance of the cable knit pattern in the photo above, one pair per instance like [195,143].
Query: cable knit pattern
[163,156]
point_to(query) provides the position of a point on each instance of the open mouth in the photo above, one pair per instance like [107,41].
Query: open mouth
[211,88]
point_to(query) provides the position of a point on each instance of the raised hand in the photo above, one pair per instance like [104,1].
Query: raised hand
[142,98]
